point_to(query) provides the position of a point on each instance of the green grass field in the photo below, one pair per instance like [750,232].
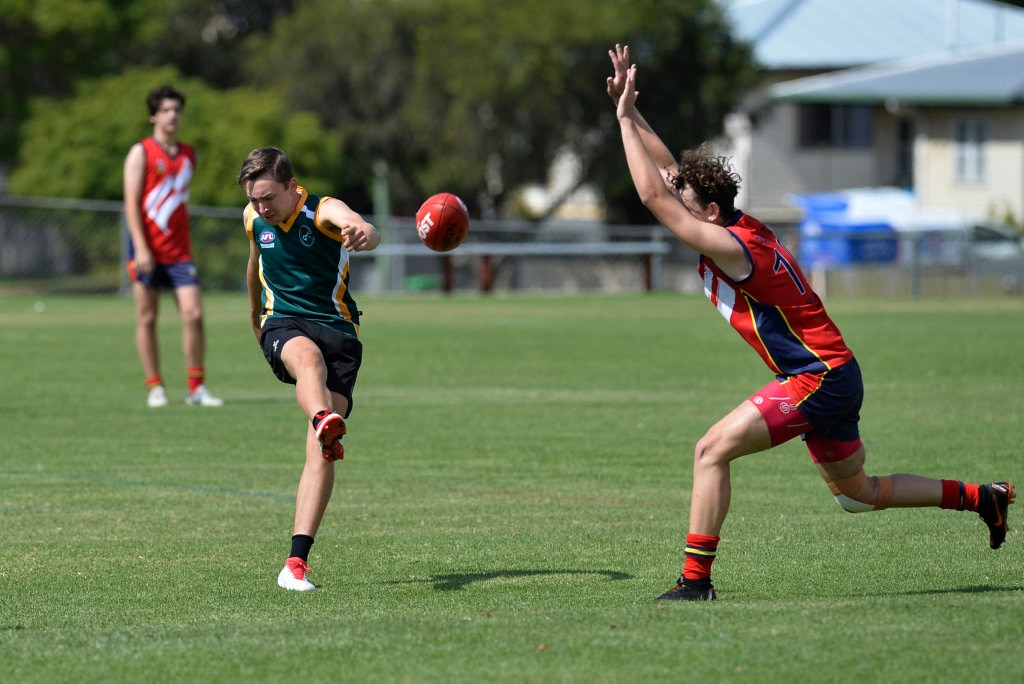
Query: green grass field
[514,496]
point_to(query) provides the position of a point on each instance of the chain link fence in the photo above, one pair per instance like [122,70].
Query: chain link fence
[79,246]
[57,245]
[69,246]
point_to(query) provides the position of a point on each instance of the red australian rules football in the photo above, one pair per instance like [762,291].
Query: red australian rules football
[442,222]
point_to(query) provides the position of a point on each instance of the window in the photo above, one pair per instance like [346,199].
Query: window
[969,137]
[824,125]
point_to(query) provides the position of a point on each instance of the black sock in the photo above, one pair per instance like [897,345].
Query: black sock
[301,544]
[320,415]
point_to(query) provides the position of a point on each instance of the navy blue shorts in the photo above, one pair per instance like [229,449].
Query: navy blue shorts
[342,352]
[166,276]
[826,405]
[834,408]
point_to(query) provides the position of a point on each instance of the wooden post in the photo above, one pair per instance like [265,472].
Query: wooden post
[447,278]
[486,275]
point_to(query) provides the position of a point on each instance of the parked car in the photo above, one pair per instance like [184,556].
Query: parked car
[997,250]
[996,243]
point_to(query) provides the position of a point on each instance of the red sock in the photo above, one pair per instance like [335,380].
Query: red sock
[700,554]
[959,496]
[154,381]
[195,377]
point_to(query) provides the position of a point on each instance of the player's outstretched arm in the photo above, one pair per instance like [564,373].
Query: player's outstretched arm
[706,238]
[357,234]
[658,150]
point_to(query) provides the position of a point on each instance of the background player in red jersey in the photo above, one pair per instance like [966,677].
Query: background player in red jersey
[757,285]
[157,174]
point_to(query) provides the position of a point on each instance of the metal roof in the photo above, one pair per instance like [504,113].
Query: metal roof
[992,76]
[838,34]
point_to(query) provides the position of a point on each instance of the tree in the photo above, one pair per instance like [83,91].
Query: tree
[49,45]
[75,147]
[477,97]
[201,38]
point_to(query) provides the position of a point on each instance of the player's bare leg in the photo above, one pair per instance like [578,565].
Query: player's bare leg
[315,487]
[147,301]
[147,305]
[858,492]
[306,364]
[852,486]
[193,337]
[193,342]
[743,431]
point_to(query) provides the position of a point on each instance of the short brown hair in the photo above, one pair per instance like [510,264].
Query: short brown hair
[264,161]
[158,95]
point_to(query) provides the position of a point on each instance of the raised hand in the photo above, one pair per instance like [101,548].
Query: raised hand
[620,62]
[625,107]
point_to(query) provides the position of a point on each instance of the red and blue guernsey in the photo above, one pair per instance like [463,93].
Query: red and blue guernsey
[165,192]
[774,308]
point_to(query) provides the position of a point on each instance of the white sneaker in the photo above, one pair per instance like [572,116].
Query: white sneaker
[293,575]
[202,397]
[157,397]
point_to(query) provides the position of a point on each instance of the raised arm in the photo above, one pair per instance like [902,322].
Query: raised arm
[710,239]
[659,151]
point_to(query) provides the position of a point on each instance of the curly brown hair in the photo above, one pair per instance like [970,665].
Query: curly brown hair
[710,176]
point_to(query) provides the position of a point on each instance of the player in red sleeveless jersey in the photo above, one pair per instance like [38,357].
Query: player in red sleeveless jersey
[157,176]
[757,285]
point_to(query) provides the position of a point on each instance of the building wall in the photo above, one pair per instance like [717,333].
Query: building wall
[775,165]
[1000,193]
[766,155]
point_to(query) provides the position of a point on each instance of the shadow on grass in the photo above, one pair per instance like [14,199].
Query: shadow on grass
[459,580]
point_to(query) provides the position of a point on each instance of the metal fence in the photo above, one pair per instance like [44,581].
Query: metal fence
[78,246]
[56,245]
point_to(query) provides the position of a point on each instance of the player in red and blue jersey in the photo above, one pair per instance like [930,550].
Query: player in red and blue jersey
[157,177]
[757,285]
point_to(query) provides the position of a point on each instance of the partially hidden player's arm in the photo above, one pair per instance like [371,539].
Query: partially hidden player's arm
[252,280]
[709,239]
[357,234]
[134,176]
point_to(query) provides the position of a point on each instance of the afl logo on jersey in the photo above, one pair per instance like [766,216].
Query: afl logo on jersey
[267,238]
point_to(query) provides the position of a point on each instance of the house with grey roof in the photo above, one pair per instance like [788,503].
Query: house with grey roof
[926,95]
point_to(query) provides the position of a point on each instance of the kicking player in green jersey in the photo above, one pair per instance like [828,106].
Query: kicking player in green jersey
[306,321]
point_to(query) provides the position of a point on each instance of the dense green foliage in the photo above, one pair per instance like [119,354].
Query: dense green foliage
[513,496]
[76,147]
[473,97]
